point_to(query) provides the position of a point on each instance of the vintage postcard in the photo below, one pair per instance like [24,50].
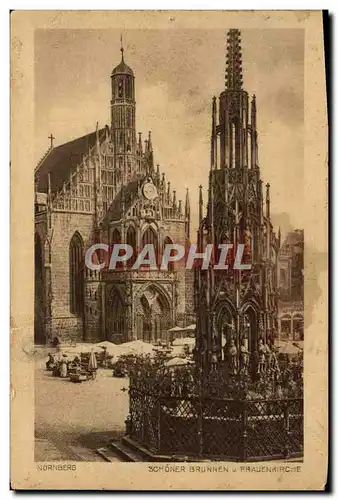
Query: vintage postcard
[169,250]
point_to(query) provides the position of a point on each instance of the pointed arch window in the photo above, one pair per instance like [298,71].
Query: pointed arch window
[39,302]
[222,240]
[116,239]
[150,238]
[115,315]
[128,85]
[168,241]
[131,241]
[120,87]
[76,273]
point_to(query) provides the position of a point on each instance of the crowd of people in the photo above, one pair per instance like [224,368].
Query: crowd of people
[238,367]
[61,366]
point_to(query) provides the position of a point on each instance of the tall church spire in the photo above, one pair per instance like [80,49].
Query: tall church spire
[187,203]
[214,135]
[235,214]
[150,146]
[187,214]
[140,147]
[233,73]
[200,205]
[233,110]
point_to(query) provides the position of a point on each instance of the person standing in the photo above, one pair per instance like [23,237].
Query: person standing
[50,363]
[92,364]
[64,367]
[105,357]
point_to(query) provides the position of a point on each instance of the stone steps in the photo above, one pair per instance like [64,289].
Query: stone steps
[148,456]
[128,450]
[117,451]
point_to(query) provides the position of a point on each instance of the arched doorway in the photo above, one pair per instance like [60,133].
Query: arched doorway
[146,320]
[153,315]
[115,317]
[39,291]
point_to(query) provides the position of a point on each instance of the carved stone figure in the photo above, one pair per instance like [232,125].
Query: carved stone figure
[274,366]
[267,355]
[232,357]
[261,357]
[244,356]
[247,241]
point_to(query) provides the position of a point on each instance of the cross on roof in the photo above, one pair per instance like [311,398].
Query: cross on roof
[51,137]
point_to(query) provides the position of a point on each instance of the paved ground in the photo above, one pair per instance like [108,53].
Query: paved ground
[72,420]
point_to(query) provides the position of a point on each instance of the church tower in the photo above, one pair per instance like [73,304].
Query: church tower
[123,134]
[140,303]
[235,304]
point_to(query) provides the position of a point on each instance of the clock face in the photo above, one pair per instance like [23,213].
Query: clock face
[149,191]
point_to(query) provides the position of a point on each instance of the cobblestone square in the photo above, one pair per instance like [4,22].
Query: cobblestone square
[73,420]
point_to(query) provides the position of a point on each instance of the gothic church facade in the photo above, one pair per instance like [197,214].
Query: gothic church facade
[104,187]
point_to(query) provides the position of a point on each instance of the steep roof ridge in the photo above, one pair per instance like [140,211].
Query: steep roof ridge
[80,166]
[43,157]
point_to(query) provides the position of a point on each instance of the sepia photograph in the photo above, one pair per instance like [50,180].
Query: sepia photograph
[169,250]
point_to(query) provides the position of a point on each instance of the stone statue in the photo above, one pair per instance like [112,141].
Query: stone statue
[225,351]
[244,356]
[267,355]
[261,357]
[213,360]
[247,241]
[274,366]
[232,356]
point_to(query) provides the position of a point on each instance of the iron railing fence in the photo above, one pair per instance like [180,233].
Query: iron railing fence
[199,425]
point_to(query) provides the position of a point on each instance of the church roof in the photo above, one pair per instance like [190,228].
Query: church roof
[122,68]
[62,160]
[294,238]
[115,209]
[293,243]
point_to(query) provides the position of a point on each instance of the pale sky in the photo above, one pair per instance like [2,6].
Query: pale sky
[177,73]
